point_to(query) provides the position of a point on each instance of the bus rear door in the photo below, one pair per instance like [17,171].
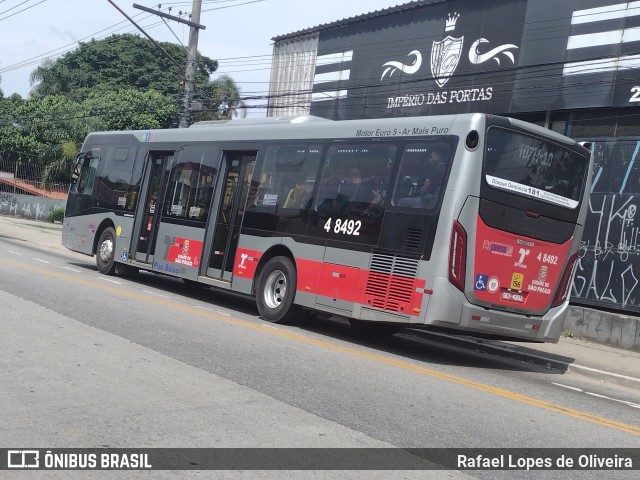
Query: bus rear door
[238,170]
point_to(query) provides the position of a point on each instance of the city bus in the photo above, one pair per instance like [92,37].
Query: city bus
[466,223]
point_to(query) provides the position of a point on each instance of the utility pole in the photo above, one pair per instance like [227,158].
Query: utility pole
[190,70]
[192,51]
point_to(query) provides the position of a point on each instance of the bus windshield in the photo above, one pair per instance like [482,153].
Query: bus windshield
[534,167]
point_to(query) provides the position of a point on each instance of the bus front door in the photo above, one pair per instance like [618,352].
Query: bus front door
[159,163]
[239,167]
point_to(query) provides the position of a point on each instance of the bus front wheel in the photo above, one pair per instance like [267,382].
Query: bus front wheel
[276,291]
[105,259]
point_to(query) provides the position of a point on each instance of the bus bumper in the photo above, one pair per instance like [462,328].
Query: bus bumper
[491,322]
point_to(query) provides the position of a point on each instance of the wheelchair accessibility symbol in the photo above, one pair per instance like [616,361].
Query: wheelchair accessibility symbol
[481,282]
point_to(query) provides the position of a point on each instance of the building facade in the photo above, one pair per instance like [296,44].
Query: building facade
[572,66]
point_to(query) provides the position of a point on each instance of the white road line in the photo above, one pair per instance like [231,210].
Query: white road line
[223,313]
[15,253]
[72,269]
[38,260]
[567,386]
[155,294]
[109,280]
[630,404]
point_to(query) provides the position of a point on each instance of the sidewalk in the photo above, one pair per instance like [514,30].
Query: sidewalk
[599,361]
[40,233]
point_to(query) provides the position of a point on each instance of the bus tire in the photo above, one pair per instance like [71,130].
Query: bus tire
[375,329]
[276,291]
[105,252]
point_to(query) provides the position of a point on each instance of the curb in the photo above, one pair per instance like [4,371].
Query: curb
[495,347]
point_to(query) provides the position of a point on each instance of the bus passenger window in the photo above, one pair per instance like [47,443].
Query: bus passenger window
[190,187]
[423,172]
[355,179]
[287,176]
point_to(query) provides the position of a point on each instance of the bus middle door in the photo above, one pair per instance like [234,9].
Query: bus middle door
[239,169]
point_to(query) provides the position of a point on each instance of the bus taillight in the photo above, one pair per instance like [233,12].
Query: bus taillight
[565,282]
[457,256]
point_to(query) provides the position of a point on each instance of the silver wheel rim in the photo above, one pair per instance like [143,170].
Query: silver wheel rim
[106,250]
[275,289]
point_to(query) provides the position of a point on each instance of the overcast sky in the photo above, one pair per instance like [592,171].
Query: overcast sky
[238,32]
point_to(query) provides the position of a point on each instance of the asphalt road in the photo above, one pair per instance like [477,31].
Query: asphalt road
[95,361]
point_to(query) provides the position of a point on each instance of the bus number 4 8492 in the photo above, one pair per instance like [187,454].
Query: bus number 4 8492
[346,227]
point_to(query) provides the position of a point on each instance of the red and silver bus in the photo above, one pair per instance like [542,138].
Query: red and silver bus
[465,223]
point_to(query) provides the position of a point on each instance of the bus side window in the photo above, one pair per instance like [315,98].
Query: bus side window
[355,179]
[423,173]
[191,183]
[115,176]
[287,176]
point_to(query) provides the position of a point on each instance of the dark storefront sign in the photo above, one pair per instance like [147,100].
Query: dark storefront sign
[481,55]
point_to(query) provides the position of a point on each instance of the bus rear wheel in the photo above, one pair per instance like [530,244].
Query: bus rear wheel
[105,253]
[276,291]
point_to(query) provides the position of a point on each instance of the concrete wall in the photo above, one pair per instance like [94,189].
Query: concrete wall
[28,206]
[615,329]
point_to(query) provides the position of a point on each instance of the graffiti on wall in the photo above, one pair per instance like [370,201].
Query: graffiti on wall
[608,268]
[27,206]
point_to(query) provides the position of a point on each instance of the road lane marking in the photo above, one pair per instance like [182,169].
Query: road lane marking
[15,253]
[102,279]
[525,399]
[71,269]
[630,404]
[41,261]
[567,386]
[156,294]
[625,402]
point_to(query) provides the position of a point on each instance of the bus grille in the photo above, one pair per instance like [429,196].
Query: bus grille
[391,283]
[412,239]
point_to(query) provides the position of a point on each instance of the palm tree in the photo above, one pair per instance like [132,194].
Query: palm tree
[227,95]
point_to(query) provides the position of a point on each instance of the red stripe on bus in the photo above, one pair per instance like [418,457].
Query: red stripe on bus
[393,293]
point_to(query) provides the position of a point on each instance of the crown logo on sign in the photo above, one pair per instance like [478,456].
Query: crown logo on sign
[450,22]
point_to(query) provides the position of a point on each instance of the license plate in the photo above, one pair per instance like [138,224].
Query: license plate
[513,297]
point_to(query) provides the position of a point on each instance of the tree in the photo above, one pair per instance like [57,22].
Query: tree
[129,109]
[119,61]
[224,103]
[120,83]
[31,129]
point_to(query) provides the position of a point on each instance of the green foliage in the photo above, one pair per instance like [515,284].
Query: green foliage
[31,130]
[55,215]
[119,61]
[121,83]
[225,101]
[130,109]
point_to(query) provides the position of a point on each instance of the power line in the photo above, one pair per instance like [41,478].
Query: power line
[20,11]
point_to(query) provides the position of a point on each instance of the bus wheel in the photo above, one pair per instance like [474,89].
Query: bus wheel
[105,252]
[375,329]
[276,290]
